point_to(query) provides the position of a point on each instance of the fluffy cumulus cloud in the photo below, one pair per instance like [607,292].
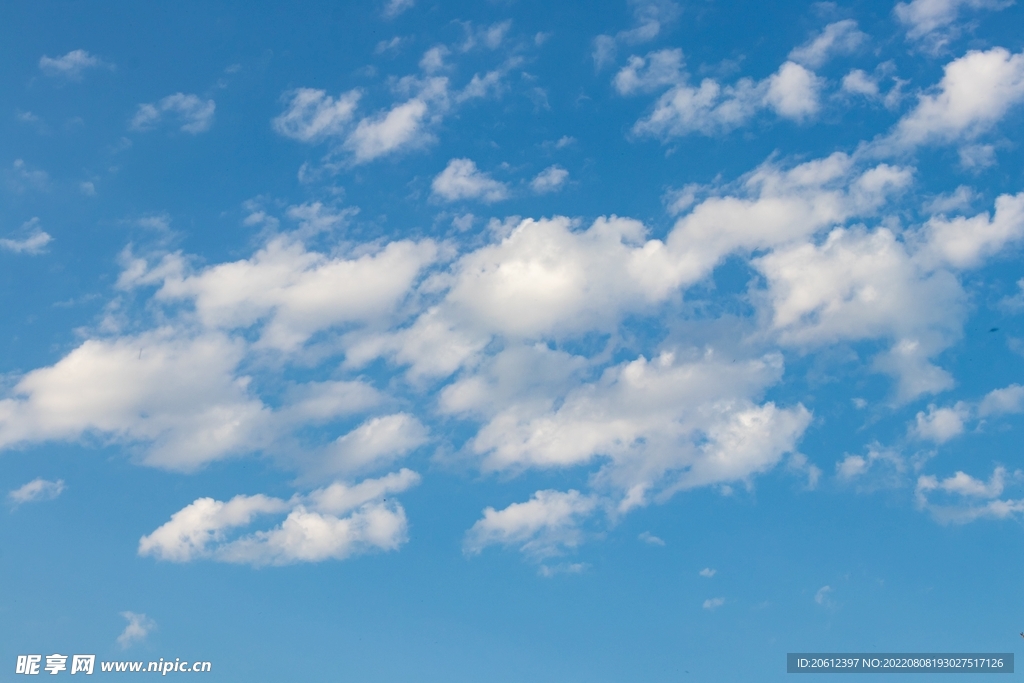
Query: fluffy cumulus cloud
[177,393]
[657,426]
[525,336]
[402,126]
[792,92]
[975,93]
[189,112]
[551,179]
[333,522]
[461,180]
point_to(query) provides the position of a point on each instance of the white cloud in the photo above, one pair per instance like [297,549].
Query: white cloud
[433,59]
[851,466]
[490,37]
[313,530]
[294,292]
[139,626]
[821,597]
[708,109]
[965,485]
[889,461]
[339,498]
[977,157]
[398,128]
[941,424]
[650,539]
[975,93]
[313,115]
[378,441]
[396,7]
[966,499]
[793,92]
[34,242]
[70,65]
[543,526]
[388,45]
[176,393]
[550,179]
[656,70]
[933,22]
[494,35]
[21,177]
[649,17]
[660,426]
[964,242]
[838,38]
[35,491]
[856,284]
[191,530]
[194,114]
[1002,401]
[711,108]
[958,200]
[708,572]
[880,284]
[462,180]
[713,603]
[858,82]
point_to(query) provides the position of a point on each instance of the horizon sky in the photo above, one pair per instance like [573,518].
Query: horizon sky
[636,340]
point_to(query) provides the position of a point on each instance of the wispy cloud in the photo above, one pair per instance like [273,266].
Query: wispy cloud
[36,491]
[139,626]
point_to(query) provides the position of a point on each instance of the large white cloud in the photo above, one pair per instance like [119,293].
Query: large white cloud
[976,92]
[294,291]
[665,424]
[178,393]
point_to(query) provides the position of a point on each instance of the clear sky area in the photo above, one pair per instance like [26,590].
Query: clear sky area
[629,341]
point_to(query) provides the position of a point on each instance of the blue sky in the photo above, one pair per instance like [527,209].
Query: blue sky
[499,341]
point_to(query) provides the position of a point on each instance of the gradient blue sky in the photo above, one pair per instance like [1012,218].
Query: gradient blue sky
[503,341]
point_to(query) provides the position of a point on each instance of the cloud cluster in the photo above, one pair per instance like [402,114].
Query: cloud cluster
[333,522]
[932,23]
[792,92]
[191,113]
[422,101]
[528,337]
